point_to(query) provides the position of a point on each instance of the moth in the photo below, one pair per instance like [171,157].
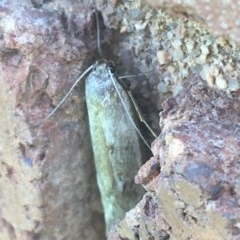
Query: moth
[116,144]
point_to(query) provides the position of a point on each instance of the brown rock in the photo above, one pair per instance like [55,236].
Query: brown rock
[47,180]
[198,158]
[48,186]
[145,221]
[196,192]
[215,14]
[148,173]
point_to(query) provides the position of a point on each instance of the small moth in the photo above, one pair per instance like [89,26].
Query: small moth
[116,144]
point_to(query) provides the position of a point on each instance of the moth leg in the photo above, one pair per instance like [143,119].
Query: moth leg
[140,115]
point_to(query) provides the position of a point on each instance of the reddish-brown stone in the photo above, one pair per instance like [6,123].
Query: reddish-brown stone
[198,150]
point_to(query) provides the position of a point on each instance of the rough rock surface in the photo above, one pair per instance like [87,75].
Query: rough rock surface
[196,194]
[47,183]
[48,187]
[215,14]
[198,148]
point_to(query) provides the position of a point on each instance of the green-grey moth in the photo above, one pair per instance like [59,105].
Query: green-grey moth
[116,144]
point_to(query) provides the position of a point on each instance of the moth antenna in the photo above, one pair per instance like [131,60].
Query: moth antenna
[62,101]
[98,34]
[128,92]
[135,75]
[140,115]
[126,110]
[67,94]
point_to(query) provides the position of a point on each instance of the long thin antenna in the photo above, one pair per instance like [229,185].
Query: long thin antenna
[67,94]
[98,34]
[140,115]
[61,102]
[135,75]
[127,111]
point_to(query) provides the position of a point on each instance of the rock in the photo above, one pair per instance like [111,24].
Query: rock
[215,14]
[48,187]
[48,184]
[145,221]
[195,196]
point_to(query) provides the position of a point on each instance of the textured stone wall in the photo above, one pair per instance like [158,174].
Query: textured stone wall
[48,187]
[192,179]
[196,192]
[220,17]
